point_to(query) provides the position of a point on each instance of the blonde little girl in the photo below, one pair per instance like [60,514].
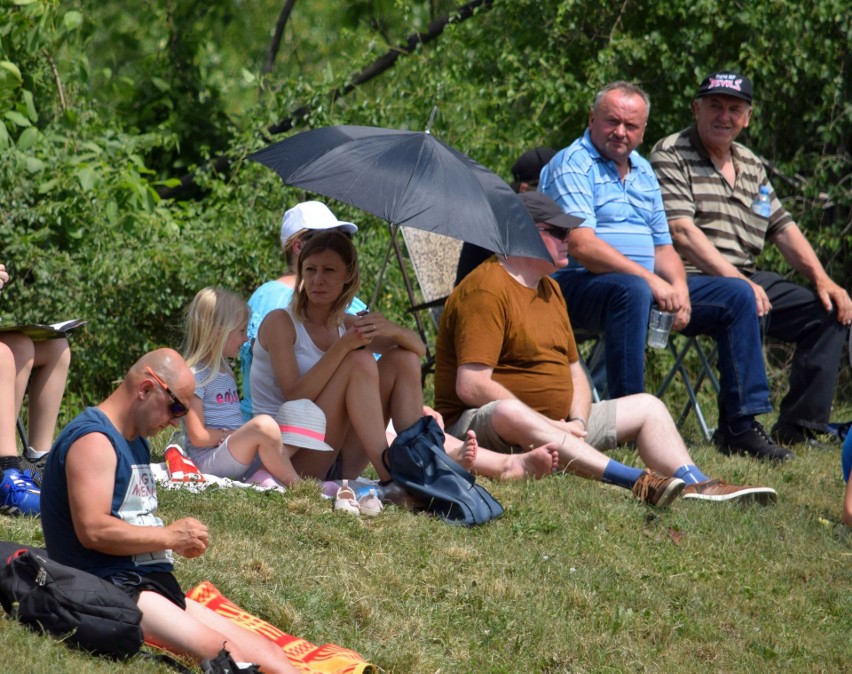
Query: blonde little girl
[217,439]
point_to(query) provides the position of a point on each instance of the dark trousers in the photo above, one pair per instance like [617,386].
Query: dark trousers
[618,306]
[798,316]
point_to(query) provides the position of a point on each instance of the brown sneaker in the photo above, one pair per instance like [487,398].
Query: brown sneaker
[657,490]
[719,490]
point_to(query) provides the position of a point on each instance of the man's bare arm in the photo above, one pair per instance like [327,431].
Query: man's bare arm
[475,386]
[90,469]
[669,266]
[800,254]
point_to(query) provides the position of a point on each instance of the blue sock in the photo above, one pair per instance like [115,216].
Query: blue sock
[690,474]
[623,476]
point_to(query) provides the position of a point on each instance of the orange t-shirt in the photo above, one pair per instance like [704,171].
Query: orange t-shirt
[522,333]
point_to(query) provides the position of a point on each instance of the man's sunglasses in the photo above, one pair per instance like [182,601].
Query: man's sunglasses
[177,409]
[558,233]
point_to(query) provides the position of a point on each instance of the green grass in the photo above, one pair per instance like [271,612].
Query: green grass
[575,577]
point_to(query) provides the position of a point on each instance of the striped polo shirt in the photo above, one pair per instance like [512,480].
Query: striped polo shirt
[694,188]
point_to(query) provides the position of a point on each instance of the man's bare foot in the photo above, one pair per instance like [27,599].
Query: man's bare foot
[536,463]
[464,454]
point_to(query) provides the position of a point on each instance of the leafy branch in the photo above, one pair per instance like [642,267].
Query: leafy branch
[188,186]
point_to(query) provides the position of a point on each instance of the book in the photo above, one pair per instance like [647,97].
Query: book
[40,331]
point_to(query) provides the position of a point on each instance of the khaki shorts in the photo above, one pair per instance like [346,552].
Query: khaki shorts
[601,428]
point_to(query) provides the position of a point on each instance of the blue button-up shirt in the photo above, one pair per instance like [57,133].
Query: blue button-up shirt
[628,215]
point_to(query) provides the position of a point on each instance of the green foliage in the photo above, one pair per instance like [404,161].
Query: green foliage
[102,103]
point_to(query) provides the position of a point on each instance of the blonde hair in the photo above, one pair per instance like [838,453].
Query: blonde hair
[212,315]
[289,245]
[339,243]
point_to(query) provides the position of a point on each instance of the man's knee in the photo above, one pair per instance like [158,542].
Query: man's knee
[630,288]
[650,407]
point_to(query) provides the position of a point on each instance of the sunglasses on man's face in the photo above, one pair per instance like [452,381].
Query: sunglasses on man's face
[558,233]
[176,408]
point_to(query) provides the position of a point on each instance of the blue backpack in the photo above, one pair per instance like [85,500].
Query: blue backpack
[417,462]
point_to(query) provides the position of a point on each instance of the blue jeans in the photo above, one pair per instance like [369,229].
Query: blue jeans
[618,305]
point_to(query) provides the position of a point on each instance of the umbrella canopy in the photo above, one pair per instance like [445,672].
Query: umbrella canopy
[411,179]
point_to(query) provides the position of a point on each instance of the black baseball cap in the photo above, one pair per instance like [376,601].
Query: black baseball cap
[544,209]
[530,163]
[726,83]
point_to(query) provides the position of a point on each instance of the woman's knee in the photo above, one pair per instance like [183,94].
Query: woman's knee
[7,358]
[361,361]
[54,352]
[22,348]
[401,360]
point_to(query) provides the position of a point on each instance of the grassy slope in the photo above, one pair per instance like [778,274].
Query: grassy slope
[577,576]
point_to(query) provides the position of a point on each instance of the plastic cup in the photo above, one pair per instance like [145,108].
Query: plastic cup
[659,327]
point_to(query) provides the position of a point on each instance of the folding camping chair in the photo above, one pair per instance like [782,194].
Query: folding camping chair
[434,258]
[692,383]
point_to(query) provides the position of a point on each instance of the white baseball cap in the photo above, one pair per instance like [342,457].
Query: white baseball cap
[302,424]
[311,215]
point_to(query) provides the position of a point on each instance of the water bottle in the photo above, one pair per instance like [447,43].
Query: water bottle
[762,205]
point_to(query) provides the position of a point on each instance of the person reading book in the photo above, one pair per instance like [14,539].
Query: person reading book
[39,370]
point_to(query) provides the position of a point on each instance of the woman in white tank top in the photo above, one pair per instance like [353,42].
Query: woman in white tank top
[314,350]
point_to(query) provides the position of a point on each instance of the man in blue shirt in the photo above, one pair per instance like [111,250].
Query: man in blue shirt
[623,261]
[99,514]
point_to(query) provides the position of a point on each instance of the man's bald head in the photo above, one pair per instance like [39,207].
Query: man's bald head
[169,365]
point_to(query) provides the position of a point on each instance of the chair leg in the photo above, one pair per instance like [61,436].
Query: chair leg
[678,368]
[22,434]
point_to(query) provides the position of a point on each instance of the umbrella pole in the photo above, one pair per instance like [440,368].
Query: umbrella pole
[384,266]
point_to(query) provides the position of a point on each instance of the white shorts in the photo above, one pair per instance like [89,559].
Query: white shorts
[219,461]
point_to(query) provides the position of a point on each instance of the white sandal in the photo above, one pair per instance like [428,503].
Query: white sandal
[345,500]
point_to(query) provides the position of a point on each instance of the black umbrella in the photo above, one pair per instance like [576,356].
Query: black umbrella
[411,179]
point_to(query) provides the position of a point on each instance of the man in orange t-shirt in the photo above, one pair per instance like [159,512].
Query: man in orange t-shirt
[508,368]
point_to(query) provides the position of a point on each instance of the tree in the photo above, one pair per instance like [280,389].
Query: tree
[104,105]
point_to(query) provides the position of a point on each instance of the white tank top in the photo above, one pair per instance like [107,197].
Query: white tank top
[266,395]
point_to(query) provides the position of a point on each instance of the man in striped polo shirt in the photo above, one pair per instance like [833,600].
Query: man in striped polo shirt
[710,184]
[623,260]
